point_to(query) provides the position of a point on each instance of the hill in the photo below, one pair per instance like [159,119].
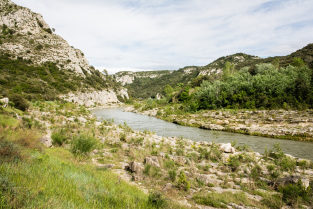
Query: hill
[143,87]
[39,64]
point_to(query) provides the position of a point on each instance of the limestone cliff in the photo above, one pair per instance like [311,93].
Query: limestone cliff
[26,34]
[95,97]
[128,77]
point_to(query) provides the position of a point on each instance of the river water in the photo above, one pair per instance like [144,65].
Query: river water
[167,129]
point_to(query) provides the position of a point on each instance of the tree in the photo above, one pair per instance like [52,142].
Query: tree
[168,91]
[298,62]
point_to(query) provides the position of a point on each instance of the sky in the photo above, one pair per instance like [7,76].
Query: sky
[170,34]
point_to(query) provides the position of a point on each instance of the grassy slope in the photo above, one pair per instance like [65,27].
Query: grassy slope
[34,177]
[54,180]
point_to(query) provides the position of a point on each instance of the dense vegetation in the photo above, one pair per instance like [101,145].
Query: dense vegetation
[146,87]
[20,76]
[265,86]
[150,87]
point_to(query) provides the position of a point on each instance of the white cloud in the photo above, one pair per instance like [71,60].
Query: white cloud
[169,34]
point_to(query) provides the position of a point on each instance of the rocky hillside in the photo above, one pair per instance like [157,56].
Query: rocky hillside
[218,65]
[39,64]
[141,87]
[128,77]
[26,34]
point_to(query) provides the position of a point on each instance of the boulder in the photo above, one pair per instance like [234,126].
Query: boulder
[135,167]
[46,140]
[4,101]
[167,186]
[227,148]
[291,180]
[153,160]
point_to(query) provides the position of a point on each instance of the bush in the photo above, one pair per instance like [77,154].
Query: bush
[183,184]
[172,175]
[146,170]
[19,102]
[156,200]
[293,194]
[9,151]
[58,138]
[82,145]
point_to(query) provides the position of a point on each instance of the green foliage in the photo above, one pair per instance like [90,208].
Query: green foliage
[55,180]
[45,81]
[234,162]
[82,145]
[168,91]
[294,194]
[58,138]
[172,175]
[9,151]
[219,200]
[268,87]
[156,200]
[19,101]
[182,183]
[146,87]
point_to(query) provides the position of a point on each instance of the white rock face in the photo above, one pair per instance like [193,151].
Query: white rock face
[91,98]
[33,39]
[126,79]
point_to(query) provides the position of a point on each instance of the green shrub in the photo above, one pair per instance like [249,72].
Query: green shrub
[182,183]
[233,162]
[19,102]
[156,200]
[58,138]
[123,137]
[9,151]
[172,175]
[146,170]
[294,194]
[39,47]
[82,145]
[169,164]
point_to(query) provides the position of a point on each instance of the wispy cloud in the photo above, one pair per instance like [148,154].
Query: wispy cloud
[169,34]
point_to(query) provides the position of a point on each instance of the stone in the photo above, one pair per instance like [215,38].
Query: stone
[46,140]
[137,178]
[153,160]
[4,101]
[206,179]
[167,186]
[227,148]
[291,180]
[135,167]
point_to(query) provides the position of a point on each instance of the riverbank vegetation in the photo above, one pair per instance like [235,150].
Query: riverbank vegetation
[263,86]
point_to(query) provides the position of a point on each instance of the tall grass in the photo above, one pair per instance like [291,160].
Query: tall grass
[46,181]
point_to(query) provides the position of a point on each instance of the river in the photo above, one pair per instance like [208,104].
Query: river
[167,129]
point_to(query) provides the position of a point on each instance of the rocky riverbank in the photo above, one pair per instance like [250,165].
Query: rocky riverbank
[295,125]
[194,174]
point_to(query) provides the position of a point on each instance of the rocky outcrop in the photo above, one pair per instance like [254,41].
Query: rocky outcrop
[227,148]
[4,102]
[90,99]
[128,77]
[27,35]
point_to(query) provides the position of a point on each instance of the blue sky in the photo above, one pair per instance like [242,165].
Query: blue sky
[170,34]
